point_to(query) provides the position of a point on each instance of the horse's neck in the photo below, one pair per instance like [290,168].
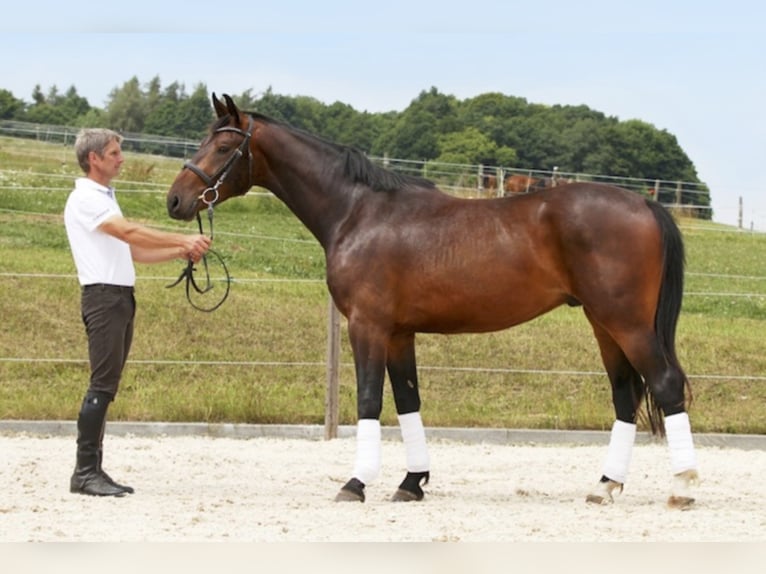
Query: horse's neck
[298,175]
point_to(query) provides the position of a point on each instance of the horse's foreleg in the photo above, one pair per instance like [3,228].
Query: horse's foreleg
[367,462]
[402,371]
[369,359]
[418,460]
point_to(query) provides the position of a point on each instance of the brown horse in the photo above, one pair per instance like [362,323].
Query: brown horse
[517,183]
[400,260]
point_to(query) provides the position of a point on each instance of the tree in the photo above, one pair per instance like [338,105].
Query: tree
[415,133]
[126,107]
[471,146]
[10,106]
[196,113]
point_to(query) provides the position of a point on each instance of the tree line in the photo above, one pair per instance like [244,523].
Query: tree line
[490,129]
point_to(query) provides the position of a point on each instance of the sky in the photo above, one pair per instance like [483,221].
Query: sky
[694,68]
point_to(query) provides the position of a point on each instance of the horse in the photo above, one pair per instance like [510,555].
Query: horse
[516,183]
[399,261]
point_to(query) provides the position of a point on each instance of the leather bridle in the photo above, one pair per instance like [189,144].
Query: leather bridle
[209,197]
[214,181]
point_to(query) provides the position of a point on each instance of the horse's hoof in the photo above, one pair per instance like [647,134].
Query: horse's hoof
[409,490]
[604,494]
[680,502]
[406,496]
[681,498]
[352,491]
[598,499]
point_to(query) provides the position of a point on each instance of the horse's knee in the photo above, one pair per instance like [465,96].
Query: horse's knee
[369,405]
[406,396]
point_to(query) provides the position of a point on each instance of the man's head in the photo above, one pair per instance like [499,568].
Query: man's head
[99,153]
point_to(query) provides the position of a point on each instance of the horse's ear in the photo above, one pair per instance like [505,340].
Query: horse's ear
[231,106]
[220,109]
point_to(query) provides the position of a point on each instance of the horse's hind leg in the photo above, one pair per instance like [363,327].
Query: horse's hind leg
[402,371]
[666,383]
[627,391]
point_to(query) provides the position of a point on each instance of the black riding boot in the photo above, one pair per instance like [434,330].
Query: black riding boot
[88,478]
[128,489]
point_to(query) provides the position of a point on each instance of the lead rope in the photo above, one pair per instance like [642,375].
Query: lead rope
[188,271]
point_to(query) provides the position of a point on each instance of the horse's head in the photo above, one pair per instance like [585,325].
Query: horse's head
[220,169]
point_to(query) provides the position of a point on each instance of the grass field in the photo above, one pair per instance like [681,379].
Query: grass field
[260,358]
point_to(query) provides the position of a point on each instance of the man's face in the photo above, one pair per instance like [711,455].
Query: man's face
[107,167]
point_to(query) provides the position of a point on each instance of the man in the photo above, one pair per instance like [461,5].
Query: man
[104,246]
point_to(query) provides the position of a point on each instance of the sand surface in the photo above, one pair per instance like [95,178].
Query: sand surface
[191,489]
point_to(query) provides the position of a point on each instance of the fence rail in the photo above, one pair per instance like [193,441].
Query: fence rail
[472,180]
[475,179]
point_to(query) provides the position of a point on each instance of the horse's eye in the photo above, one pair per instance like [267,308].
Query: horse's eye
[222,149]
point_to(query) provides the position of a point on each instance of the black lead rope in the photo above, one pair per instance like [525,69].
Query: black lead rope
[192,285]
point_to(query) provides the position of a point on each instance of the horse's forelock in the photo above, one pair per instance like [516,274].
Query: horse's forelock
[221,122]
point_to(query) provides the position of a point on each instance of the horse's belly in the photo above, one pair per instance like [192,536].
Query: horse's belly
[478,314]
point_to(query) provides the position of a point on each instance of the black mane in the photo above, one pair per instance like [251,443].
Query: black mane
[356,165]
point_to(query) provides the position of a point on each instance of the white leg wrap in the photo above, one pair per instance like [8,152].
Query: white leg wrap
[679,433]
[620,451]
[367,464]
[414,437]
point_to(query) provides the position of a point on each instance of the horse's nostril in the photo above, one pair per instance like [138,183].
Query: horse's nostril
[173,203]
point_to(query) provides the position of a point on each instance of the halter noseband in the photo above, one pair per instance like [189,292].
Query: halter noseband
[214,181]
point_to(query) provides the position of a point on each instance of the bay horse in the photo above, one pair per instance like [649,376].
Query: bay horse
[400,261]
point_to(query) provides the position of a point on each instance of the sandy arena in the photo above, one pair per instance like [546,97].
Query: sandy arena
[281,489]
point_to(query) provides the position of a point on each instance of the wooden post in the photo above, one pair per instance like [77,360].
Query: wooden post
[500,182]
[331,405]
[739,217]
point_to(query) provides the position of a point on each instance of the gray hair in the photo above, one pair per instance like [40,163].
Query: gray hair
[93,139]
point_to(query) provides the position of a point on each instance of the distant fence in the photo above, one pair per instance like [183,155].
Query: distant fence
[465,179]
[139,143]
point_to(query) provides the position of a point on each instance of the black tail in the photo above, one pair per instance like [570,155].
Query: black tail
[669,304]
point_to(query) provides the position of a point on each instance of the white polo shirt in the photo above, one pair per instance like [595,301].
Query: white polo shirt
[98,257]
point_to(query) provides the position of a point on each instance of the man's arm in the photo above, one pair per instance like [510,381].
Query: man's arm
[149,245]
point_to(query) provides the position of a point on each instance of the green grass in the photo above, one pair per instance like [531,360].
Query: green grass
[260,357]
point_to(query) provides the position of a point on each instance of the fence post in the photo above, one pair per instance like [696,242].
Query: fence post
[739,216]
[332,408]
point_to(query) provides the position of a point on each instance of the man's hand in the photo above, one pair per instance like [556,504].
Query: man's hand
[197,246]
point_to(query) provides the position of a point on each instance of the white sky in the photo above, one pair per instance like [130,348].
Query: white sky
[694,68]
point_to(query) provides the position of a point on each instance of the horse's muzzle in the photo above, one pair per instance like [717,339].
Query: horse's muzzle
[178,209]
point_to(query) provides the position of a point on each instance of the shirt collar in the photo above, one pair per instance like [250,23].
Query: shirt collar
[87,183]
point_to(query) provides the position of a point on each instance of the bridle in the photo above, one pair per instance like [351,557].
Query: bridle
[209,197]
[214,181]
